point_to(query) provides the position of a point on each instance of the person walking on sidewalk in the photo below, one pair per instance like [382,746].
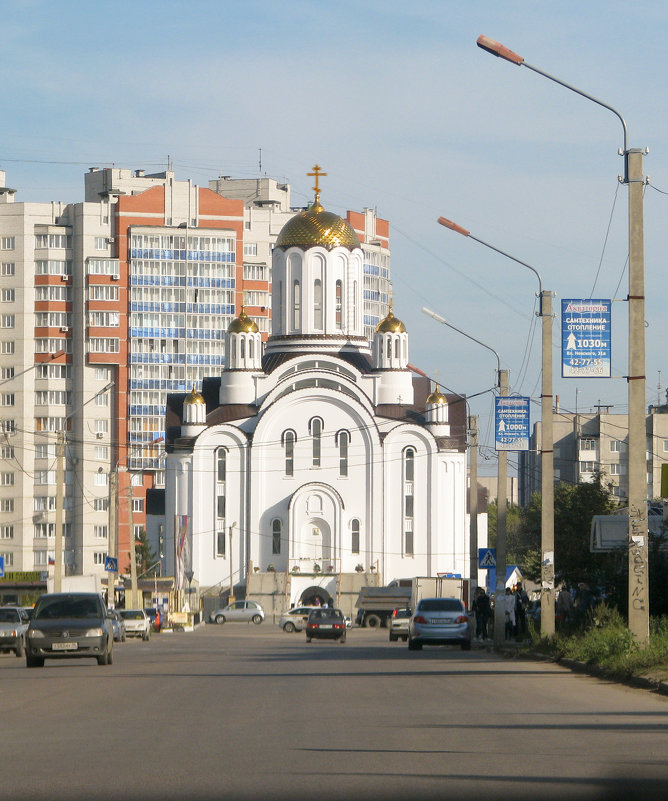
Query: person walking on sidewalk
[483,612]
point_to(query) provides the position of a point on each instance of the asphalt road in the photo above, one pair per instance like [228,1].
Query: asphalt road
[248,712]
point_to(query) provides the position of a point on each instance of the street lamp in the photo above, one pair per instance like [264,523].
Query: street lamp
[501,496]
[638,553]
[547,441]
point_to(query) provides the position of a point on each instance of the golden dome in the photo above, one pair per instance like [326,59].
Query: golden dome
[193,397]
[391,324]
[315,226]
[243,324]
[436,397]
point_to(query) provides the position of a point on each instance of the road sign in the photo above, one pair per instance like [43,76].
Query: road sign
[585,338]
[511,423]
[486,558]
[2,566]
[111,564]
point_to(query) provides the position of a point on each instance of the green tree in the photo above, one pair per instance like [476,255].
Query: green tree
[144,554]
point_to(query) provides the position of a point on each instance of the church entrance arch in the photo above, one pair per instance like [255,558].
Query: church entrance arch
[316,596]
[315,515]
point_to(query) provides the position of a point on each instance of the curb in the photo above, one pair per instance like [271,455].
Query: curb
[642,682]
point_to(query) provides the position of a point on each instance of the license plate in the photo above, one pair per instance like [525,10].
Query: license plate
[64,646]
[326,626]
[439,621]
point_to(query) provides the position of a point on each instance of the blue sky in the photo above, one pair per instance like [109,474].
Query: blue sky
[407,115]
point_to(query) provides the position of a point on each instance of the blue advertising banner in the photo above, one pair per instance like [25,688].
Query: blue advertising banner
[585,338]
[511,423]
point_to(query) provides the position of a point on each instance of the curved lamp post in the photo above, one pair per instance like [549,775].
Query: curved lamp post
[638,590]
[547,440]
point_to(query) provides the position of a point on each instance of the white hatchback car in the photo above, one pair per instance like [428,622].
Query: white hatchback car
[137,623]
[295,619]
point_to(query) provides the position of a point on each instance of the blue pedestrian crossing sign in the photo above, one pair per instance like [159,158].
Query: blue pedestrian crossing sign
[486,558]
[2,566]
[111,564]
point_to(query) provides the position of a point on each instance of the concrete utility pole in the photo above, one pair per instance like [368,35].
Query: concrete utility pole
[133,551]
[231,598]
[113,547]
[638,532]
[473,504]
[547,473]
[501,508]
[60,491]
[638,526]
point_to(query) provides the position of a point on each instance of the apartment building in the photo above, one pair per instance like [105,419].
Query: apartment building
[587,443]
[105,307]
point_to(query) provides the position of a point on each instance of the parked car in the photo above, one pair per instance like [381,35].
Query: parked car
[326,624]
[70,625]
[295,619]
[137,623]
[13,626]
[239,612]
[398,624]
[119,626]
[155,616]
[440,621]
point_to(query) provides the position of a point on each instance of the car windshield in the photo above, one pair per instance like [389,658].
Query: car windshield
[441,605]
[9,615]
[403,613]
[131,614]
[67,607]
[323,614]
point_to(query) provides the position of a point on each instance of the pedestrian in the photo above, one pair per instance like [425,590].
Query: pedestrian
[509,603]
[564,606]
[521,603]
[483,612]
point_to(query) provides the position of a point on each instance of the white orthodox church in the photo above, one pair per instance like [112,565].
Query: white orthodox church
[315,456]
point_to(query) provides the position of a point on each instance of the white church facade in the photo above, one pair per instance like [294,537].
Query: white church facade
[315,456]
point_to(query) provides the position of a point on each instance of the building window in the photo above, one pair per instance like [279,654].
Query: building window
[100,479]
[40,558]
[343,442]
[587,467]
[587,444]
[408,506]
[99,558]
[408,543]
[617,469]
[7,295]
[7,268]
[9,558]
[355,536]
[316,433]
[6,504]
[297,301]
[250,248]
[101,453]
[7,243]
[221,462]
[220,507]
[7,347]
[101,426]
[100,532]
[6,532]
[276,536]
[7,399]
[317,304]
[220,543]
[617,446]
[104,345]
[289,438]
[100,504]
[339,304]
[101,243]
[137,504]
[7,320]
[409,464]
[6,479]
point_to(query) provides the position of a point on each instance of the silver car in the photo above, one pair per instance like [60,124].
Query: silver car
[440,621]
[137,623]
[398,624]
[295,619]
[13,626]
[239,612]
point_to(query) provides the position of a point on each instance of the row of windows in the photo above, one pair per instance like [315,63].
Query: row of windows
[58,241]
[257,272]
[53,267]
[182,269]
[53,319]
[219,244]
[103,267]
[172,280]
[52,345]
[54,293]
[104,319]
[48,397]
[103,292]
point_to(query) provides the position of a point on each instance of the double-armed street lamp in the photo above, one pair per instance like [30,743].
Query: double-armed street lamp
[501,496]
[638,589]
[547,438]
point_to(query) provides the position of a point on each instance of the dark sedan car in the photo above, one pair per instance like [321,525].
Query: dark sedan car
[326,624]
[70,624]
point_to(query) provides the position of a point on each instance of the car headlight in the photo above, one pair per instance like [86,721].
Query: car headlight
[34,633]
[93,633]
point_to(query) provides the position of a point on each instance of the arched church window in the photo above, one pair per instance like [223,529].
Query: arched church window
[339,305]
[355,536]
[279,315]
[396,348]
[251,349]
[276,530]
[221,464]
[317,304]
[289,438]
[409,464]
[315,426]
[296,308]
[343,440]
[389,348]
[242,348]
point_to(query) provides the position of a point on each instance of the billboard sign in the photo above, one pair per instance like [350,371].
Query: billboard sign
[585,338]
[511,423]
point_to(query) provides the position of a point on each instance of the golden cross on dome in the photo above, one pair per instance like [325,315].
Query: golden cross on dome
[317,173]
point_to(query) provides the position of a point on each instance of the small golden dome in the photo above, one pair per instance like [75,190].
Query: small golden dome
[193,397]
[391,324]
[315,226]
[436,397]
[243,324]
